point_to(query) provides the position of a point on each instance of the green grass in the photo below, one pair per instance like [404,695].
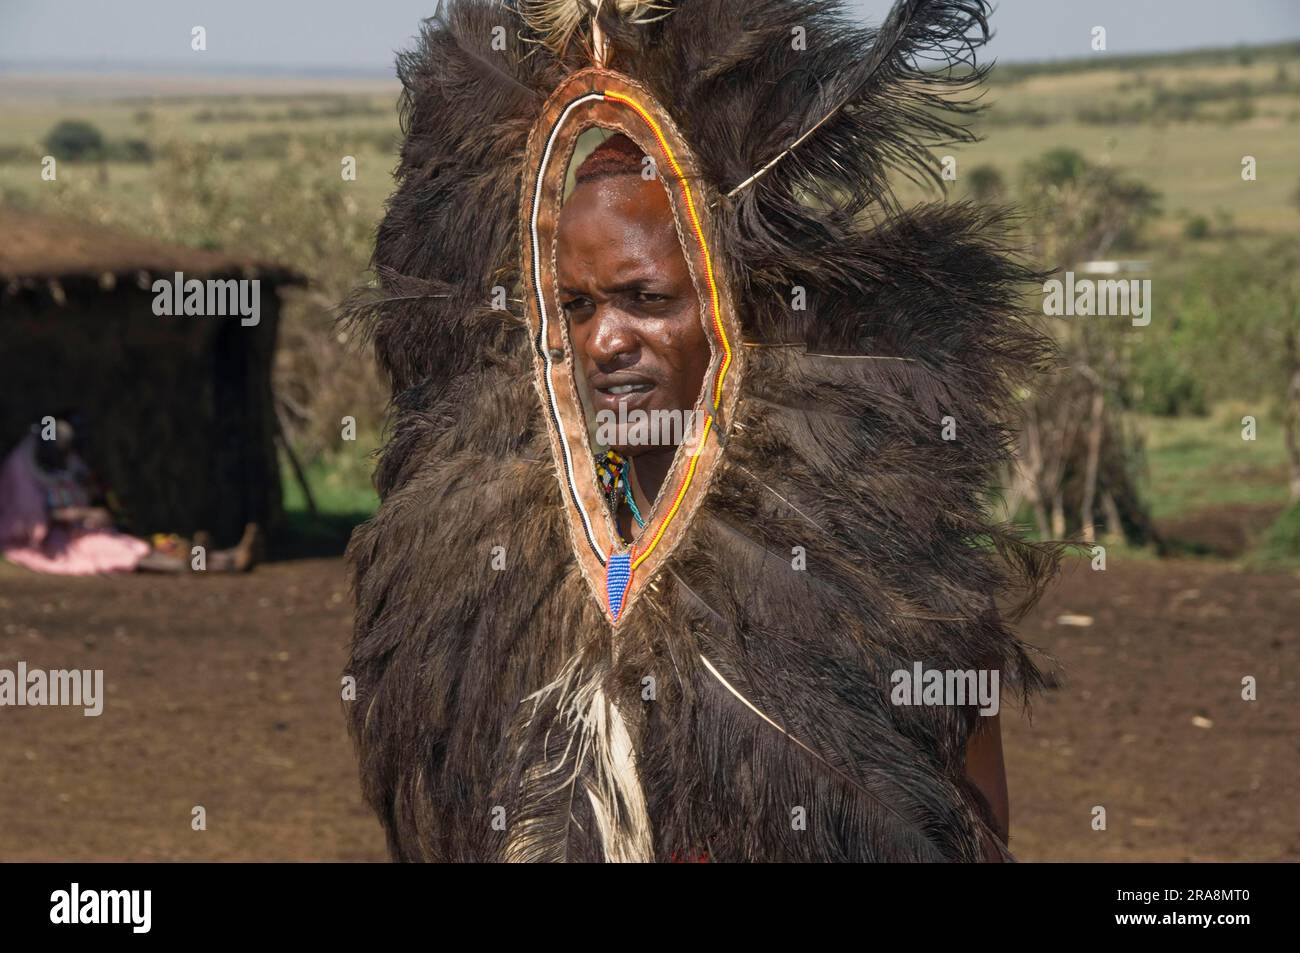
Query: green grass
[1195,463]
[1199,464]
[344,498]
[1281,544]
[1195,165]
[340,486]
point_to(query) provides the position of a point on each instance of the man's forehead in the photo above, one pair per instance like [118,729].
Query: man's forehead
[624,189]
[617,203]
[616,249]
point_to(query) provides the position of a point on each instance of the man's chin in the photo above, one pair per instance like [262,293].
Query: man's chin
[632,451]
[649,430]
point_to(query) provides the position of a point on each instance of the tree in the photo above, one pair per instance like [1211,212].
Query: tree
[985,184]
[1243,334]
[1081,211]
[75,139]
[1077,459]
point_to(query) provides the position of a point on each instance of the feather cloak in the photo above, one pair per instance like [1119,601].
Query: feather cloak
[742,710]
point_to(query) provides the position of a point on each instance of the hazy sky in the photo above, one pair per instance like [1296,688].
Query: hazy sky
[313,35]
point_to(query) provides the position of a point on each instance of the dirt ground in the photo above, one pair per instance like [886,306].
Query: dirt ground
[224,692]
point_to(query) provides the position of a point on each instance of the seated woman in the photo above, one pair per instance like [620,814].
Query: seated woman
[48,523]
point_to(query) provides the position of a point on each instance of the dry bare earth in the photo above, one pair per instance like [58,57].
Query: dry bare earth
[1170,642]
[224,692]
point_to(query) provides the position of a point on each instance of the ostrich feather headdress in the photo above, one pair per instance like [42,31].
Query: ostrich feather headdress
[530,687]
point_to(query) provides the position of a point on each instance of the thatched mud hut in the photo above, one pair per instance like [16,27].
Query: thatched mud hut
[179,409]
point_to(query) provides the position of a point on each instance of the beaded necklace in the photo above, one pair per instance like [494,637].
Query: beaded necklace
[612,469]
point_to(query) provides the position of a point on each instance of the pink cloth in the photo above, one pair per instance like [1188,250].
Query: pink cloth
[28,539]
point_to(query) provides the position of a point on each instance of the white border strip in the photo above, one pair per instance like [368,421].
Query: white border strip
[545,324]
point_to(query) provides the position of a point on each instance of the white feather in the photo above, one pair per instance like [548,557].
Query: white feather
[600,756]
[615,793]
[557,20]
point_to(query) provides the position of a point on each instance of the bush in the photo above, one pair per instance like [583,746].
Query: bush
[985,184]
[1166,386]
[75,139]
[1197,228]
[1056,167]
[1240,111]
[1080,211]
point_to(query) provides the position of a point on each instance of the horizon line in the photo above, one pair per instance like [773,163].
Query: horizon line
[179,67]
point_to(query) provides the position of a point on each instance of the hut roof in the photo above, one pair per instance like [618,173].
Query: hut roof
[36,247]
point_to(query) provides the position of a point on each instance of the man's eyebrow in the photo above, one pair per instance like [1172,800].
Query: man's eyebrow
[648,282]
[645,283]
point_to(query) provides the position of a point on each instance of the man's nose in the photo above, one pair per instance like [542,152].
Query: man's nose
[613,340]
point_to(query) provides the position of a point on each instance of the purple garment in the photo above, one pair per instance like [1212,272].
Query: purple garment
[28,538]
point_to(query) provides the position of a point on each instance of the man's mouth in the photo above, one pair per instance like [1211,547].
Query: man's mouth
[621,384]
[620,390]
[627,391]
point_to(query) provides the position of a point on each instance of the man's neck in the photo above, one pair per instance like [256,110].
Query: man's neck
[648,472]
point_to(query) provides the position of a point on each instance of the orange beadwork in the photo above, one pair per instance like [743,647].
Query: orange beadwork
[642,554]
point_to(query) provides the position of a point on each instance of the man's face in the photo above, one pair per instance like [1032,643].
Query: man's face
[634,316]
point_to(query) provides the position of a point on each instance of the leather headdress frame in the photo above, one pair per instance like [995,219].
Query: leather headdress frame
[617,572]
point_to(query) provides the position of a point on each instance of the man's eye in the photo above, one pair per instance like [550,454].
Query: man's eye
[575,304]
[649,297]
